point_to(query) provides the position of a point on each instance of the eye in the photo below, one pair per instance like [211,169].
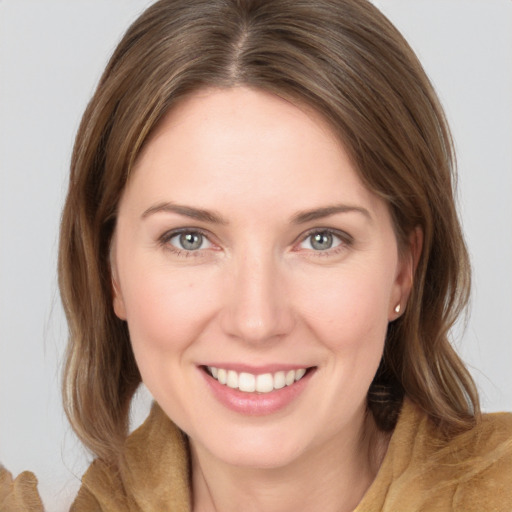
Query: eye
[323,240]
[189,241]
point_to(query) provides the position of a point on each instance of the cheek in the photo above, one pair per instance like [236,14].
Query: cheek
[165,310]
[349,310]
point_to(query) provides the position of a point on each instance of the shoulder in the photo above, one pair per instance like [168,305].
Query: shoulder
[19,495]
[425,470]
[471,471]
[101,490]
[483,461]
[489,441]
[154,472]
[484,450]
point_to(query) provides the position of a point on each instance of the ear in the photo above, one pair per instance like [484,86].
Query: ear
[117,296]
[409,259]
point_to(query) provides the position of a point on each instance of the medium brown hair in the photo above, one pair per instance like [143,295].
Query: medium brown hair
[344,59]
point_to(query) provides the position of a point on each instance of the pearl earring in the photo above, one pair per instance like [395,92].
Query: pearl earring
[397,309]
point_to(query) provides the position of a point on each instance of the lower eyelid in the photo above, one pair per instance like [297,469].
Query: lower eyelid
[204,239]
[344,240]
[165,240]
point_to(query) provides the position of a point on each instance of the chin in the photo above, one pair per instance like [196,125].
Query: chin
[257,448]
[267,458]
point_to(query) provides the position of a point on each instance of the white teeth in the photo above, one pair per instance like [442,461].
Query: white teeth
[222,376]
[290,378]
[232,380]
[300,373]
[249,383]
[264,383]
[279,380]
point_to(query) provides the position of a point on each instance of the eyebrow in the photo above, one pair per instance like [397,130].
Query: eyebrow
[186,211]
[320,213]
[214,218]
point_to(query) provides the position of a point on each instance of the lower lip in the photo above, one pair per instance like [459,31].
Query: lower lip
[256,404]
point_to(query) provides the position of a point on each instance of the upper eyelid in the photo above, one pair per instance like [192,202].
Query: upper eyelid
[346,243]
[337,232]
[343,235]
[171,233]
[164,242]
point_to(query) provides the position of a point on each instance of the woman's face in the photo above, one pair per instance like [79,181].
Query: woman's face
[247,251]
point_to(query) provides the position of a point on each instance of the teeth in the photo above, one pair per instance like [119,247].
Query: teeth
[249,383]
[232,380]
[300,373]
[279,380]
[246,382]
[265,383]
[222,376]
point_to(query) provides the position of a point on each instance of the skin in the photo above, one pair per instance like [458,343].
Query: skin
[257,292]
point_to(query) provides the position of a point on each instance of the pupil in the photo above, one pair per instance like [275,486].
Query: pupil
[191,241]
[322,241]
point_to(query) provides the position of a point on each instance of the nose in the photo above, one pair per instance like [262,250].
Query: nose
[257,307]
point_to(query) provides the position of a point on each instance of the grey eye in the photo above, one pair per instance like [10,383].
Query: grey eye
[321,241]
[189,241]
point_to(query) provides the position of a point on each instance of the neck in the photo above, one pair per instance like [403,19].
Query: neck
[329,478]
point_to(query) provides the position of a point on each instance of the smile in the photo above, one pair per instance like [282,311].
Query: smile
[249,383]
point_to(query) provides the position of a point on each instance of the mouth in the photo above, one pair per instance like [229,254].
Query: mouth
[261,383]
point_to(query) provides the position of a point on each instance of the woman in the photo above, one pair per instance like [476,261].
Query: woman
[260,225]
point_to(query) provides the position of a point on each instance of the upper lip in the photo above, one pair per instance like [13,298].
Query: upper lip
[257,369]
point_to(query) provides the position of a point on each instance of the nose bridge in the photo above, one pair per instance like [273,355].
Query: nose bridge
[258,308]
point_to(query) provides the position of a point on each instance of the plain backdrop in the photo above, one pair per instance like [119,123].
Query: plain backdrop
[51,55]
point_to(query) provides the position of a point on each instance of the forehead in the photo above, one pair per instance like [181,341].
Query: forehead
[259,115]
[220,144]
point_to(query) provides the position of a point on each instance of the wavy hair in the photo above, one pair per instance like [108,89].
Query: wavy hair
[344,59]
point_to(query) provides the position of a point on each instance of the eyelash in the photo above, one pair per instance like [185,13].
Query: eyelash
[165,239]
[345,241]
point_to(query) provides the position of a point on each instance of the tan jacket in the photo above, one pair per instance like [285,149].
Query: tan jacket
[19,495]
[420,472]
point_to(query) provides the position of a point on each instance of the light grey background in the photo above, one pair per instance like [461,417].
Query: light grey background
[51,55]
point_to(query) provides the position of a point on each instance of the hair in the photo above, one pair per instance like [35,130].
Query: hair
[345,60]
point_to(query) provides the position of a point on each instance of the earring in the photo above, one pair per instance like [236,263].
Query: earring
[397,309]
